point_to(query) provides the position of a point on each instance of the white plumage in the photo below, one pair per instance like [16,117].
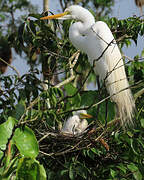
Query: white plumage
[97,41]
[75,124]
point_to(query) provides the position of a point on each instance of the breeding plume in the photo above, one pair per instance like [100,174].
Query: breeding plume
[97,41]
[77,123]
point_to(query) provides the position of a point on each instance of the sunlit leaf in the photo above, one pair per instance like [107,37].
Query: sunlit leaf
[113,173]
[132,146]
[122,167]
[142,122]
[130,133]
[71,90]
[134,169]
[26,142]
[5,132]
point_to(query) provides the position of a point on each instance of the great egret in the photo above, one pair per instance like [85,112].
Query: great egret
[77,123]
[97,41]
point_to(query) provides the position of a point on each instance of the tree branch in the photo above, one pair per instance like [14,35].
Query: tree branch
[12,67]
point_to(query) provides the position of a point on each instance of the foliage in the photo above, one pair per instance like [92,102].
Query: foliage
[100,7]
[8,14]
[33,110]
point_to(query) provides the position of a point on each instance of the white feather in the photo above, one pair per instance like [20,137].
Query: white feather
[96,39]
[74,124]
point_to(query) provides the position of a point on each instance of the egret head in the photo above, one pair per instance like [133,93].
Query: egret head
[72,12]
[82,114]
[77,123]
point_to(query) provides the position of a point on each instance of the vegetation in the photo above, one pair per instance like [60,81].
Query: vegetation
[33,110]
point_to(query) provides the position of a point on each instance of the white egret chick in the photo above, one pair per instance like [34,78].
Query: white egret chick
[77,123]
[97,41]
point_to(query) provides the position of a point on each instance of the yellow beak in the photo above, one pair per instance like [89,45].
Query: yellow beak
[85,116]
[55,16]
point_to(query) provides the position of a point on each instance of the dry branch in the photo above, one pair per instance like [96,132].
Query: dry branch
[12,67]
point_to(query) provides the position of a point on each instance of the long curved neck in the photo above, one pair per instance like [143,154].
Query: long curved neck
[79,30]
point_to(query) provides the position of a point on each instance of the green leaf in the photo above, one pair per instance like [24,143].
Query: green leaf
[82,171]
[37,16]
[91,154]
[142,122]
[113,173]
[10,169]
[122,167]
[63,172]
[2,17]
[88,97]
[19,111]
[26,142]
[71,173]
[141,142]
[130,134]
[96,151]
[134,169]
[30,169]
[5,132]
[132,146]
[71,90]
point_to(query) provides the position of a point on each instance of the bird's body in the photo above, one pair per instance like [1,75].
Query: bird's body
[97,41]
[75,124]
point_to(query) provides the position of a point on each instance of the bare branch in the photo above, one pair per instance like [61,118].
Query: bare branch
[66,81]
[11,67]
[71,64]
[138,94]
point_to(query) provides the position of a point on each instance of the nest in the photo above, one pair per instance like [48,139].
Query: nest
[55,143]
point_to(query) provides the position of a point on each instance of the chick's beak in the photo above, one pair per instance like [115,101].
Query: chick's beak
[85,116]
[56,16]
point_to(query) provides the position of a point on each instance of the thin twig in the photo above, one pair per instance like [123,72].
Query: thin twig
[11,67]
[138,94]
[46,135]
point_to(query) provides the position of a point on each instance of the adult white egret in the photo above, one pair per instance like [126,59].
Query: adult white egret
[77,123]
[97,41]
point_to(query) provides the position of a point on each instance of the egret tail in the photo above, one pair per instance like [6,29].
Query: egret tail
[118,86]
